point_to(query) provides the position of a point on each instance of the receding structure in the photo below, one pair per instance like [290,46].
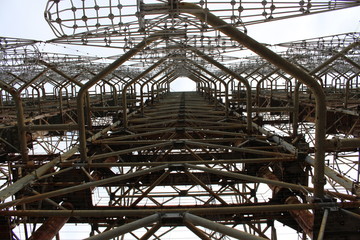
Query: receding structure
[269,137]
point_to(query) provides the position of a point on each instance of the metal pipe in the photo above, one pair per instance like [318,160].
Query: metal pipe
[251,178]
[107,70]
[355,215]
[137,78]
[296,102]
[150,232]
[195,230]
[342,180]
[338,144]
[257,96]
[50,228]
[347,89]
[220,80]
[237,77]
[126,228]
[217,227]
[208,211]
[51,127]
[80,187]
[267,181]
[293,70]
[203,162]
[323,224]
[20,120]
[24,181]
[142,89]
[303,217]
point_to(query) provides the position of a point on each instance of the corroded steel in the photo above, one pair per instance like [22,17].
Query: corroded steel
[253,145]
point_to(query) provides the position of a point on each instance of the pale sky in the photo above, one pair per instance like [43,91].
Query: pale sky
[25,19]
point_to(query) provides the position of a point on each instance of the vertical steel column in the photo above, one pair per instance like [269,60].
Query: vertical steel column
[137,78]
[20,120]
[142,89]
[220,80]
[237,77]
[347,90]
[257,100]
[107,70]
[295,123]
[296,72]
[202,77]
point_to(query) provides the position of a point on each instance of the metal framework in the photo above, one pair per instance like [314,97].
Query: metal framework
[265,139]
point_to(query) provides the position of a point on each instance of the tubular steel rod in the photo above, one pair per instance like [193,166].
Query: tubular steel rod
[150,232]
[267,181]
[106,71]
[250,178]
[51,127]
[312,72]
[217,227]
[100,213]
[340,179]
[220,80]
[142,89]
[24,181]
[296,72]
[20,120]
[81,187]
[357,216]
[203,162]
[195,230]
[237,77]
[323,224]
[127,85]
[126,228]
[129,150]
[53,68]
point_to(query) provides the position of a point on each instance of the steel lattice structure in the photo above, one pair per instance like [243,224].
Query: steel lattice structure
[103,142]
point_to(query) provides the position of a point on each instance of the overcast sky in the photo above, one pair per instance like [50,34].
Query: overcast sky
[25,19]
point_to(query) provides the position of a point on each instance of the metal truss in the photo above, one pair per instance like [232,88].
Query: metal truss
[103,142]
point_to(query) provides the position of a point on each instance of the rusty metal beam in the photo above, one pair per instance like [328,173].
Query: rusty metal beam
[237,77]
[80,187]
[100,213]
[107,70]
[133,81]
[296,72]
[20,119]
